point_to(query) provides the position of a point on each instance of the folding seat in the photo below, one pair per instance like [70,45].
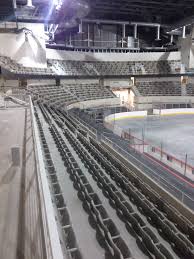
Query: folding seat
[102,212]
[76,254]
[56,188]
[95,199]
[123,248]
[69,238]
[59,201]
[111,228]
[164,251]
[53,178]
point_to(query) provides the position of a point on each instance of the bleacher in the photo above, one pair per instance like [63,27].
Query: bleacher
[52,94]
[60,96]
[159,88]
[190,89]
[18,69]
[89,91]
[148,217]
[95,68]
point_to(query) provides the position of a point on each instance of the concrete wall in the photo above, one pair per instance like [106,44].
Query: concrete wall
[90,56]
[43,81]
[29,51]
[146,102]
[118,82]
[173,111]
[95,103]
[185,45]
[79,81]
[123,95]
[158,79]
[125,115]
[187,50]
[9,83]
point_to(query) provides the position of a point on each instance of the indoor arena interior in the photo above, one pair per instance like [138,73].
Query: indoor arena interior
[96,129]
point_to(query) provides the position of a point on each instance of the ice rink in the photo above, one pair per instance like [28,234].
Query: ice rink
[176,133]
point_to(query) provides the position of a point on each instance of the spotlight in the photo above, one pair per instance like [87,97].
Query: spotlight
[57,4]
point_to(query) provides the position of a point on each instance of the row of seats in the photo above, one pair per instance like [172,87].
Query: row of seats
[159,88]
[19,69]
[107,234]
[182,224]
[182,245]
[89,91]
[61,96]
[69,239]
[190,89]
[57,96]
[93,68]
[134,223]
[163,210]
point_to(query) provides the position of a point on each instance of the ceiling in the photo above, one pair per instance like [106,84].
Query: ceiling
[164,11]
[6,9]
[160,11]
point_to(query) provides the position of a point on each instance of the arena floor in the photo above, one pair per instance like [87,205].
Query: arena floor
[176,133]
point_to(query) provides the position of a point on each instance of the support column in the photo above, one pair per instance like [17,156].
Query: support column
[101,82]
[184,82]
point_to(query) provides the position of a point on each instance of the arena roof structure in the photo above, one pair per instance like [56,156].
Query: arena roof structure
[6,10]
[167,11]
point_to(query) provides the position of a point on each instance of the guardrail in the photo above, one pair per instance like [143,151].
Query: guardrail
[52,241]
[181,196]
[88,127]
[153,152]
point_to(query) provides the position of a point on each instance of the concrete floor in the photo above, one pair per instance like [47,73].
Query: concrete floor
[11,134]
[20,226]
[176,133]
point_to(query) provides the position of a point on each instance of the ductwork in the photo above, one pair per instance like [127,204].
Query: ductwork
[98,21]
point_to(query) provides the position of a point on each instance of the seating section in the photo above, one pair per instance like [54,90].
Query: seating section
[60,96]
[161,88]
[190,89]
[89,91]
[19,69]
[69,239]
[52,94]
[171,226]
[106,231]
[93,68]
[70,68]
[96,68]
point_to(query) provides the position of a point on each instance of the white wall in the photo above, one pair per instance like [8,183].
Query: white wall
[158,79]
[125,115]
[91,56]
[185,45]
[9,83]
[118,83]
[123,95]
[146,102]
[31,53]
[42,81]
[95,103]
[79,81]
[173,111]
[187,50]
